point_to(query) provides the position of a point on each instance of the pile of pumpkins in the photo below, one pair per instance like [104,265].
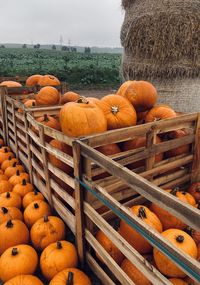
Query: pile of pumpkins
[32,239]
[170,227]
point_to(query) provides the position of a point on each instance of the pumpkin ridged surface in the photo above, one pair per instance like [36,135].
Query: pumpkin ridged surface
[79,278]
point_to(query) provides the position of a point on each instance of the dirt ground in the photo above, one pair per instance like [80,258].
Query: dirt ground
[95,93]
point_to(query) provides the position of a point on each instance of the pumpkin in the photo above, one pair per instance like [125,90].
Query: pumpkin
[18,178]
[3,148]
[32,197]
[10,213]
[190,281]
[3,177]
[57,257]
[69,97]
[11,170]
[46,231]
[10,199]
[134,274]
[82,118]
[10,84]
[2,142]
[194,190]
[132,236]
[167,219]
[28,104]
[8,162]
[13,232]
[141,94]
[159,113]
[35,211]
[47,80]
[70,276]
[18,260]
[24,280]
[177,281]
[194,234]
[23,188]
[33,80]
[57,162]
[93,100]
[5,155]
[48,96]
[110,247]
[49,121]
[1,171]
[198,248]
[181,149]
[5,186]
[118,111]
[109,149]
[139,142]
[141,117]
[183,242]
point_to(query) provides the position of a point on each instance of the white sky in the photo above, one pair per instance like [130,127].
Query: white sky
[84,22]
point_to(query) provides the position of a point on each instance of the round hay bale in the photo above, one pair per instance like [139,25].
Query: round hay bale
[161,41]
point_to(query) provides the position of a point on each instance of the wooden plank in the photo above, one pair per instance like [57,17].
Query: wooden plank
[61,175]
[196,162]
[15,130]
[80,238]
[28,143]
[186,213]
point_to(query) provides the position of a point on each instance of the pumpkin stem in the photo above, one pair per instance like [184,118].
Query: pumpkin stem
[14,164]
[82,100]
[5,150]
[46,119]
[183,192]
[36,206]
[180,239]
[14,251]
[33,104]
[9,224]
[24,182]
[70,278]
[35,192]
[114,109]
[46,219]
[142,213]
[59,245]
[4,210]
[174,191]
[8,195]
[10,157]
[17,172]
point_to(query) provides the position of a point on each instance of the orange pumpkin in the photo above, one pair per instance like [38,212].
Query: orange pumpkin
[118,111]
[134,274]
[183,242]
[82,118]
[181,149]
[190,281]
[48,80]
[198,248]
[110,247]
[2,142]
[23,188]
[46,231]
[49,121]
[10,84]
[10,199]
[109,149]
[33,80]
[194,190]
[5,155]
[13,232]
[159,113]
[69,97]
[3,177]
[177,281]
[11,170]
[35,211]
[141,94]
[18,178]
[48,96]
[10,213]
[24,280]
[139,142]
[21,259]
[57,162]
[57,257]
[8,162]
[5,186]
[32,197]
[132,236]
[3,148]
[167,219]
[93,100]
[70,276]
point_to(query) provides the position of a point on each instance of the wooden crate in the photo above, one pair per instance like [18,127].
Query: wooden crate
[20,79]
[125,188]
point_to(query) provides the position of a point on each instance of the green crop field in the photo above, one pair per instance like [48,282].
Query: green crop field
[80,70]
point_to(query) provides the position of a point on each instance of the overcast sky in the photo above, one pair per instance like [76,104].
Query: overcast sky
[83,22]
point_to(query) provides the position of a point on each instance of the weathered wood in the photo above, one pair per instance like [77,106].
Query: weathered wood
[196,161]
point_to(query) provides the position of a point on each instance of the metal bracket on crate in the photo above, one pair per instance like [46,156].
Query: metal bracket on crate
[143,233]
